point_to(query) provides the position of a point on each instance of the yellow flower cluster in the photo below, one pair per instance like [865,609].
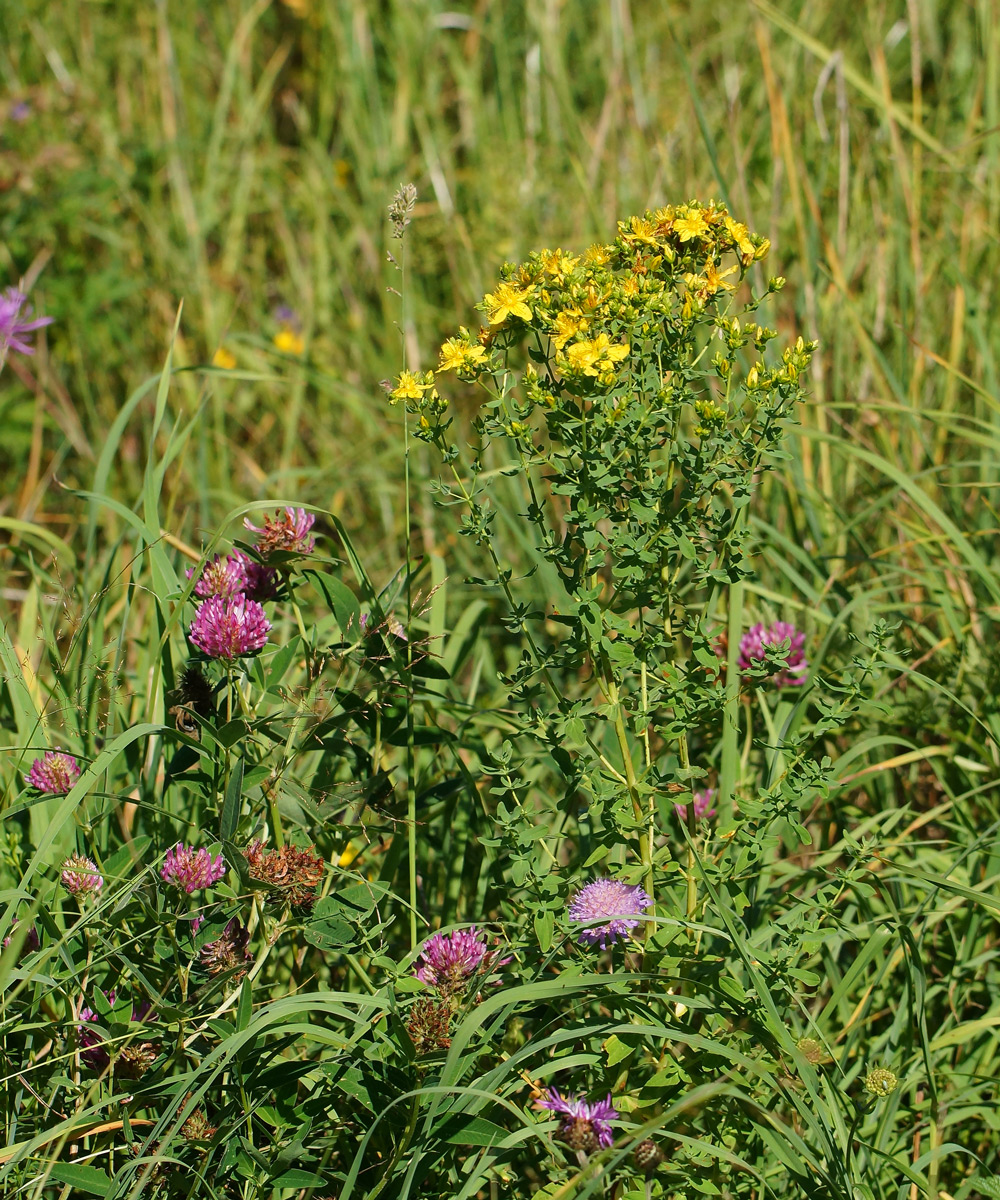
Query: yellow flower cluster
[589,316]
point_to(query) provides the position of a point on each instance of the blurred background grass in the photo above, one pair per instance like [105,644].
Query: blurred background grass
[238,156]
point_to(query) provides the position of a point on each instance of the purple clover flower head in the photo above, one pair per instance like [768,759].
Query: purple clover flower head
[449,959]
[229,627]
[15,324]
[586,1124]
[615,904]
[191,870]
[752,651]
[80,876]
[91,1040]
[262,582]
[229,952]
[54,773]
[221,577]
[702,802]
[286,532]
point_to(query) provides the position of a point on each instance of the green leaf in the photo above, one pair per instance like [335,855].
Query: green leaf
[82,1178]
[231,804]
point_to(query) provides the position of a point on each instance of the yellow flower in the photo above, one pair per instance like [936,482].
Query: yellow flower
[349,854]
[595,358]
[557,263]
[639,231]
[289,342]
[741,236]
[409,387]
[598,255]
[222,358]
[693,225]
[508,301]
[459,355]
[711,282]
[567,324]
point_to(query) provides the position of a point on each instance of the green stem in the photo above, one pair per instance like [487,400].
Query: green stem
[730,766]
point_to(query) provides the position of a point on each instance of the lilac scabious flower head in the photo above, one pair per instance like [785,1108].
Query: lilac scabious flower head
[752,651]
[449,959]
[191,870]
[586,1124]
[615,904]
[702,802]
[286,532]
[15,323]
[221,577]
[228,627]
[54,773]
[262,581]
[80,876]
[229,952]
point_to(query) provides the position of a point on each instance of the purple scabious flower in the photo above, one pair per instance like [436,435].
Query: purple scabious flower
[54,773]
[228,627]
[449,959]
[15,323]
[702,802]
[286,532]
[80,876]
[752,651]
[191,870]
[586,1124]
[615,904]
[221,577]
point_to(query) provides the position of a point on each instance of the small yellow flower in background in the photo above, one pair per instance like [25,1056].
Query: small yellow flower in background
[639,231]
[691,225]
[301,8]
[349,854]
[507,301]
[289,342]
[558,263]
[222,358]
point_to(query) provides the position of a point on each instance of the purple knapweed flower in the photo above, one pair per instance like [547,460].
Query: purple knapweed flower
[80,876]
[752,651]
[615,904]
[228,627]
[54,773]
[262,582]
[586,1124]
[449,959]
[191,870]
[221,577]
[702,802]
[15,324]
[287,532]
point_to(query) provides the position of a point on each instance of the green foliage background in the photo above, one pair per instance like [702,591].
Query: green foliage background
[232,156]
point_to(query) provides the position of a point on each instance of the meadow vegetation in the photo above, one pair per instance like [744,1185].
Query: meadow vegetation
[500,599]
